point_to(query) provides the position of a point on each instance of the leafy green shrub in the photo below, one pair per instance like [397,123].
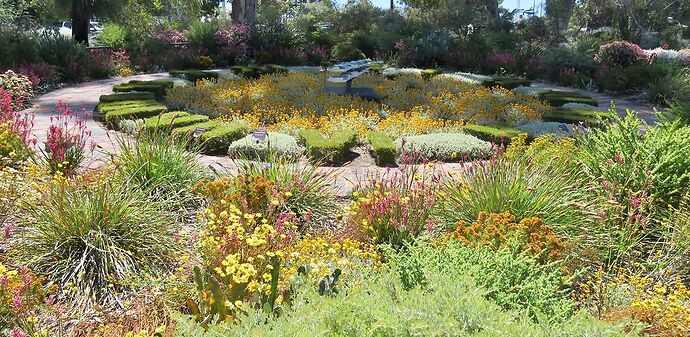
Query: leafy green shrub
[13,150]
[346,52]
[623,158]
[68,57]
[127,96]
[161,166]
[158,87]
[559,98]
[113,36]
[333,149]
[427,74]
[576,115]
[194,75]
[679,111]
[171,120]
[450,304]
[511,279]
[382,148]
[131,126]
[200,34]
[93,237]
[248,71]
[276,144]
[525,188]
[444,147]
[555,59]
[494,134]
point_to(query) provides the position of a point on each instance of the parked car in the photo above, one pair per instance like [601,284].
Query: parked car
[65,29]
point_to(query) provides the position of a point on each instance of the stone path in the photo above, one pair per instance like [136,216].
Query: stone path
[86,95]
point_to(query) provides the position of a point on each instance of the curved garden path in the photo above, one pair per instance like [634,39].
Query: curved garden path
[86,95]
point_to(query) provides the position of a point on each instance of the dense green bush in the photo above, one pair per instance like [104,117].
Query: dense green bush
[555,59]
[382,148]
[171,120]
[63,53]
[445,147]
[623,158]
[93,237]
[276,144]
[113,36]
[334,149]
[508,83]
[346,52]
[494,134]
[427,74]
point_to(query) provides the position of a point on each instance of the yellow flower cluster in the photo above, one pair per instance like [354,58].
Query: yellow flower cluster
[322,256]
[409,104]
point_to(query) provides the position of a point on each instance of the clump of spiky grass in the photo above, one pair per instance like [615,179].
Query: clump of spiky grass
[88,237]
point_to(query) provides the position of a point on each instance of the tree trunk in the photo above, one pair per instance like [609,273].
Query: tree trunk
[392,4]
[236,14]
[250,12]
[80,21]
[491,9]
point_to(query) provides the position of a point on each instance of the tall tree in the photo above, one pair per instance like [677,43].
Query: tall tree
[559,12]
[81,11]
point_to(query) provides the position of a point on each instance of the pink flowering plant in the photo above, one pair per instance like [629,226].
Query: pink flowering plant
[68,140]
[395,208]
[22,294]
[234,42]
[15,131]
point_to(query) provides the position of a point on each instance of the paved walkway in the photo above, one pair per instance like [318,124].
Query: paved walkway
[86,95]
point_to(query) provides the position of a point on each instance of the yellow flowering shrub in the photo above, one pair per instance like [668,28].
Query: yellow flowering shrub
[662,303]
[409,105]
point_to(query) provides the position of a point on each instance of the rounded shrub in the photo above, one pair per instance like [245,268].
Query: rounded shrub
[619,54]
[346,52]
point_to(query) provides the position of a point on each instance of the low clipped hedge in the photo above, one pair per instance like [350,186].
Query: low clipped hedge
[276,143]
[429,73]
[157,87]
[276,69]
[127,96]
[333,149]
[576,115]
[493,134]
[446,147]
[112,113]
[382,148]
[505,82]
[216,136]
[171,120]
[560,98]
[194,75]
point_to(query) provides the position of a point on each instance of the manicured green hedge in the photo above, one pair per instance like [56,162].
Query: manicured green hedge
[332,149]
[382,148]
[559,98]
[494,134]
[157,87]
[508,83]
[446,147]
[173,120]
[194,75]
[576,115]
[127,96]
[429,73]
[114,116]
[218,139]
[276,69]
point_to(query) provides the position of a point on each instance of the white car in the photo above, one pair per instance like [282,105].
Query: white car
[65,28]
